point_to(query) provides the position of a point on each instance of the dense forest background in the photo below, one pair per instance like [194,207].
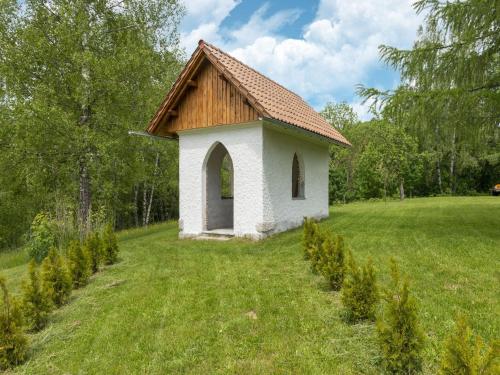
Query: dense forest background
[77,75]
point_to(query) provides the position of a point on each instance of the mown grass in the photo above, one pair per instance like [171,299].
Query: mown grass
[173,306]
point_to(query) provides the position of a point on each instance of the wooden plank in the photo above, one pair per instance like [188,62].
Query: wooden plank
[209,95]
[189,109]
[245,110]
[180,118]
[238,108]
[221,100]
[217,97]
[227,100]
[214,96]
[204,86]
[231,105]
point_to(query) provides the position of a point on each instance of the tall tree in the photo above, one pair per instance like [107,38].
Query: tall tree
[343,118]
[75,76]
[450,89]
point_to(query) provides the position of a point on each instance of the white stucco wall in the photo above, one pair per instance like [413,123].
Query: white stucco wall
[281,211]
[262,156]
[245,145]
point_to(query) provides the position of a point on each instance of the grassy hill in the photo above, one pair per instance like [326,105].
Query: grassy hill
[202,307]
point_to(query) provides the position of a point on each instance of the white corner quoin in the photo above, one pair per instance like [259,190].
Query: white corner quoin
[250,180]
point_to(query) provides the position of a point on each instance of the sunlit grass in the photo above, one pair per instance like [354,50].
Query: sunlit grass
[173,306]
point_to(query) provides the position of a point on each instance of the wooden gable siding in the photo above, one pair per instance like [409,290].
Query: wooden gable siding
[213,101]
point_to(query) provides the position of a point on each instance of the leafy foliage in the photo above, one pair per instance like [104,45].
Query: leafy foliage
[13,342]
[109,245]
[400,337]
[42,237]
[360,292]
[56,278]
[79,264]
[37,300]
[93,246]
[331,263]
[448,99]
[467,354]
[76,76]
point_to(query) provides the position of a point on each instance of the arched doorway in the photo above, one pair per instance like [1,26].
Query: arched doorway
[219,200]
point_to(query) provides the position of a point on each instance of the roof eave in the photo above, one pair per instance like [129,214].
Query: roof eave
[289,126]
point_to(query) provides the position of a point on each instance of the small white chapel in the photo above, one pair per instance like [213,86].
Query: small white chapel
[253,156]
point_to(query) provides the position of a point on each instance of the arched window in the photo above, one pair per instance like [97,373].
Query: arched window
[297,178]
[226,177]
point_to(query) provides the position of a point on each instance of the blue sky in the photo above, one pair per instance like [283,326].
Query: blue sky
[318,49]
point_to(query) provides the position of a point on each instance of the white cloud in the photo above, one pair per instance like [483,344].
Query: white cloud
[202,21]
[338,49]
[260,26]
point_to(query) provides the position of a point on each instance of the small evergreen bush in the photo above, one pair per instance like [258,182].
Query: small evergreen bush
[13,341]
[359,291]
[56,278]
[109,245]
[400,337]
[37,301]
[311,237]
[79,264]
[331,260]
[93,246]
[467,354]
[314,257]
[41,237]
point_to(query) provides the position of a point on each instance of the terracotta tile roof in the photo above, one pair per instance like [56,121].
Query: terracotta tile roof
[278,102]
[269,98]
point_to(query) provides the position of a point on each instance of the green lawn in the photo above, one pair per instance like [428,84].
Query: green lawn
[173,306]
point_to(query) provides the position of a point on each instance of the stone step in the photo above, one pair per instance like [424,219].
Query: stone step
[217,234]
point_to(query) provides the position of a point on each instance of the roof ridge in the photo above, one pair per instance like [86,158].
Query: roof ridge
[203,42]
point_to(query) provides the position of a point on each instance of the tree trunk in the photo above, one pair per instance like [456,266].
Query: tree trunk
[144,204]
[150,204]
[438,171]
[85,201]
[85,197]
[385,188]
[401,190]
[136,205]
[157,161]
[438,162]
[452,161]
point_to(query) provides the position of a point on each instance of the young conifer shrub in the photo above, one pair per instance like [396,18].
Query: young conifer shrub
[400,337]
[56,277]
[314,256]
[37,300]
[13,341]
[79,264]
[324,240]
[93,246]
[109,245]
[310,236]
[466,354]
[331,261]
[359,291]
